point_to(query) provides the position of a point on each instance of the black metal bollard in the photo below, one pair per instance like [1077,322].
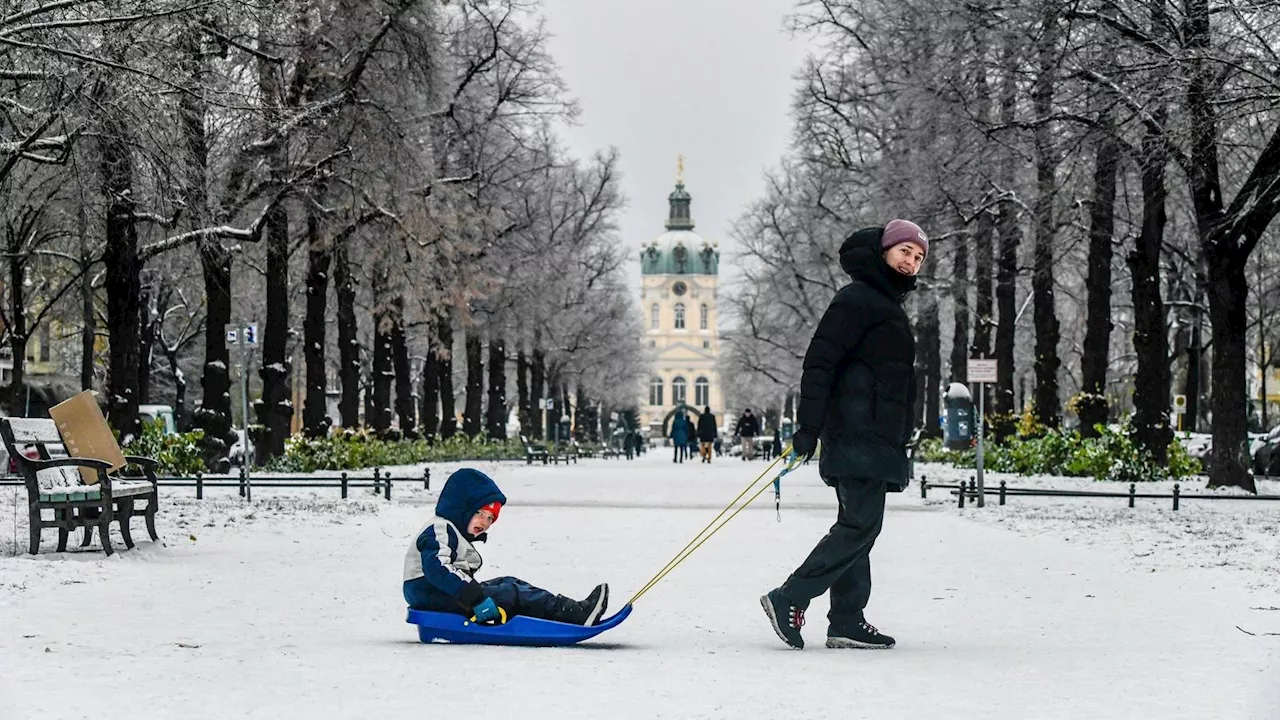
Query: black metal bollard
[242,478]
[344,486]
[426,478]
[924,487]
[388,489]
[960,495]
[1002,488]
[199,486]
[1133,489]
[376,485]
[1177,491]
[973,488]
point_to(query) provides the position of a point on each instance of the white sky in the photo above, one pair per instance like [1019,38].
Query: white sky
[709,79]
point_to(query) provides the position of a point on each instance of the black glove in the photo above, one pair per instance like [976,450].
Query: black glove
[805,443]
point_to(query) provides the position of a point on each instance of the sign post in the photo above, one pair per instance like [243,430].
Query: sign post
[981,371]
[244,335]
[1180,408]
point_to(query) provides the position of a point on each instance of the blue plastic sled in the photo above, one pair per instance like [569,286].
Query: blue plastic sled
[450,628]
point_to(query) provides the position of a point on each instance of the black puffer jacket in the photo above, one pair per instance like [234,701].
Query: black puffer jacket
[858,386]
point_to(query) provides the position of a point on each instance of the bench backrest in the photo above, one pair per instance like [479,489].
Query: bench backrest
[21,433]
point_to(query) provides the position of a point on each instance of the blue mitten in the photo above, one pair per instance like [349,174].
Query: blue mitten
[487,611]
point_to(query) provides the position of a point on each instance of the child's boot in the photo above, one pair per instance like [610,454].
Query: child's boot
[588,611]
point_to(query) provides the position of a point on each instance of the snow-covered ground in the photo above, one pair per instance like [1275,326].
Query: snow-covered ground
[291,607]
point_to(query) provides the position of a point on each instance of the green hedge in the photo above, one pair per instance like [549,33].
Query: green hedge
[352,450]
[1113,456]
[177,455]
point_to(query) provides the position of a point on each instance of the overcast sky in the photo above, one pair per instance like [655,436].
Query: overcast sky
[707,79]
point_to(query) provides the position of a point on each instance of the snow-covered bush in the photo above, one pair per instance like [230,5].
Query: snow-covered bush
[1112,456]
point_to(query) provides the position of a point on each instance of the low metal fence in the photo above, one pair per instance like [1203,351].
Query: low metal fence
[963,492]
[380,480]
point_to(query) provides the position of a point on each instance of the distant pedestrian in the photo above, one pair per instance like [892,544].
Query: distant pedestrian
[706,433]
[748,429]
[679,436]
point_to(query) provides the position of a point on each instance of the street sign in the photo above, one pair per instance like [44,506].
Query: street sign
[250,334]
[982,371]
[1179,404]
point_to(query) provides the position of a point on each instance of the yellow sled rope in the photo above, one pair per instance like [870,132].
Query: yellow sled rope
[717,522]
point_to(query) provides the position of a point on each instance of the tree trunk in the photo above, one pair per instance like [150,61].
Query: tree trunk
[179,390]
[960,314]
[89,317]
[496,418]
[581,416]
[931,366]
[18,333]
[1048,409]
[275,407]
[1151,430]
[214,416]
[537,392]
[429,408]
[1227,240]
[525,413]
[315,418]
[1094,360]
[1227,295]
[146,343]
[123,282]
[378,409]
[404,372]
[472,414]
[1010,238]
[448,412]
[348,333]
[1194,388]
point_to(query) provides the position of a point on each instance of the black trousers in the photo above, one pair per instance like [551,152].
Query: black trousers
[840,562]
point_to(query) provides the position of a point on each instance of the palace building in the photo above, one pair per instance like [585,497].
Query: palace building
[679,276]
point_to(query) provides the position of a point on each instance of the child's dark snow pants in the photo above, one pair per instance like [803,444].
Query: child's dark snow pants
[515,596]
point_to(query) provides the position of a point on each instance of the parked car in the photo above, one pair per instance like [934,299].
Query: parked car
[164,413]
[1266,453]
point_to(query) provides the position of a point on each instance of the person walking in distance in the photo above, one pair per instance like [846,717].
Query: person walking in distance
[856,394]
[706,433]
[748,429]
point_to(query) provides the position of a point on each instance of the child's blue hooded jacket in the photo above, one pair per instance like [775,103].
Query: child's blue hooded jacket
[442,559]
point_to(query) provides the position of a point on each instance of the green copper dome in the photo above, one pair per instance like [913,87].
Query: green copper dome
[679,251]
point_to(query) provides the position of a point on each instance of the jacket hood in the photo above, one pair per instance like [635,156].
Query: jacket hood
[464,493]
[863,259]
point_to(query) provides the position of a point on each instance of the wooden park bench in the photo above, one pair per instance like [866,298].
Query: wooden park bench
[56,485]
[568,452]
[534,451]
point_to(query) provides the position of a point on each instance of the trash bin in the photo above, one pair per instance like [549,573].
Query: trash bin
[959,429]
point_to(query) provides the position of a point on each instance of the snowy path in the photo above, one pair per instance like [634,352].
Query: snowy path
[293,610]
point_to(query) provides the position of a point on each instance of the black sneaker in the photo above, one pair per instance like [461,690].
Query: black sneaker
[862,635]
[596,603]
[787,619]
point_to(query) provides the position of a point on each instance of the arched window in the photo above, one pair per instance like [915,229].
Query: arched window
[678,391]
[655,314]
[703,314]
[701,391]
[679,316]
[655,391]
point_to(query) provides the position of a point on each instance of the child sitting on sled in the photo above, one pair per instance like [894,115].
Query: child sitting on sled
[440,565]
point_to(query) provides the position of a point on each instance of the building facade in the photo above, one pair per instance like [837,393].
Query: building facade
[679,279]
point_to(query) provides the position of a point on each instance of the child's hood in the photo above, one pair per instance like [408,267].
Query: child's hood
[464,493]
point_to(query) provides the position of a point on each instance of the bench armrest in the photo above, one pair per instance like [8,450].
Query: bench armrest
[92,463]
[147,464]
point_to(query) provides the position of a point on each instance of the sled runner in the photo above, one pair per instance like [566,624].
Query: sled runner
[519,630]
